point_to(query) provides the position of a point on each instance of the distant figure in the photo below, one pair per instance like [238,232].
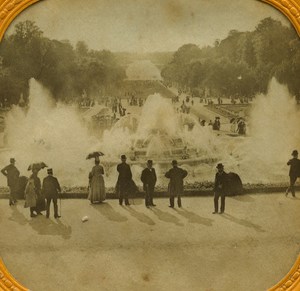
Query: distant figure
[149,180]
[217,124]
[220,188]
[40,199]
[294,173]
[12,174]
[124,180]
[96,183]
[30,197]
[241,128]
[50,190]
[175,187]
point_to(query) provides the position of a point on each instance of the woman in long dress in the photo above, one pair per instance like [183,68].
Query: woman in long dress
[40,200]
[96,183]
[30,197]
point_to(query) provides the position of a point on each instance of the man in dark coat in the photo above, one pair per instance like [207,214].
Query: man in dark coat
[149,179]
[294,172]
[12,174]
[124,180]
[50,189]
[175,188]
[220,188]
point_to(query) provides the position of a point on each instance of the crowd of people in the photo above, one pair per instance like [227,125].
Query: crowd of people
[38,196]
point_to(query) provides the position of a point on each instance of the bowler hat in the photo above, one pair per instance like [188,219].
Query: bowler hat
[149,162]
[174,162]
[220,166]
[295,153]
[50,171]
[123,157]
[12,160]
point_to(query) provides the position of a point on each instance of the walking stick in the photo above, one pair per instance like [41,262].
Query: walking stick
[60,204]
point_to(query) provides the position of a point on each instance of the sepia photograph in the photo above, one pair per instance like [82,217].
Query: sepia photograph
[150,145]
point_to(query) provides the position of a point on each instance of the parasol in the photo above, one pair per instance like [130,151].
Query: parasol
[37,166]
[94,155]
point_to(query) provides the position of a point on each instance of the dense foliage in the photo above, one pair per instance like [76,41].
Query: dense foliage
[66,71]
[242,64]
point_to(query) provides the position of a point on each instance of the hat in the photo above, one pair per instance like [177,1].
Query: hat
[123,157]
[295,153]
[220,166]
[174,162]
[149,162]
[49,171]
[12,160]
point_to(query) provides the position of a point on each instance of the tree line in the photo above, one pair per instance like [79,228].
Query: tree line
[66,71]
[242,64]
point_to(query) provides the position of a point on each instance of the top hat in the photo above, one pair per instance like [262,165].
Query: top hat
[220,166]
[123,157]
[295,153]
[50,171]
[174,162]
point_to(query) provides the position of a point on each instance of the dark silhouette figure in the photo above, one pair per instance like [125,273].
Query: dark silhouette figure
[12,174]
[220,188]
[175,187]
[149,179]
[124,182]
[294,172]
[50,189]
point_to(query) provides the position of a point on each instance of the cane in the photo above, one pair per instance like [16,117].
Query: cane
[60,204]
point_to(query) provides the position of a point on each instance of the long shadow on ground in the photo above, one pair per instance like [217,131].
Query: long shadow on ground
[140,216]
[243,222]
[44,226]
[18,216]
[109,212]
[166,217]
[194,218]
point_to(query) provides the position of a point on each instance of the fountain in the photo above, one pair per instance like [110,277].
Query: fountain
[55,134]
[161,134]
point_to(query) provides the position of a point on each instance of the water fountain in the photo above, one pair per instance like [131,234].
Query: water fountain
[160,134]
[55,134]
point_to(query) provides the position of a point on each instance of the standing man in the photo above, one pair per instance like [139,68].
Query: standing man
[50,189]
[124,180]
[220,188]
[294,173]
[175,187]
[149,180]
[12,174]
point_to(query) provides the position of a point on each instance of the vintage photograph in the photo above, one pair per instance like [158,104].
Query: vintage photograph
[149,145]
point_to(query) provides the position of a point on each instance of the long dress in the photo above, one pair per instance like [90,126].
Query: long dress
[30,195]
[96,185]
[40,201]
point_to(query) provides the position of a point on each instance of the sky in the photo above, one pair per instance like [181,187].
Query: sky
[145,25]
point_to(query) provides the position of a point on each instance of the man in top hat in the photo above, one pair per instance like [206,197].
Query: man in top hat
[12,174]
[50,189]
[149,179]
[124,180]
[175,187]
[220,188]
[294,172]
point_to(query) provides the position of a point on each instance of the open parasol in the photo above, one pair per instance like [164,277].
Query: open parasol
[94,155]
[37,166]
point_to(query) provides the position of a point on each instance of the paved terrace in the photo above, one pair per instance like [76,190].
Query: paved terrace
[251,247]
